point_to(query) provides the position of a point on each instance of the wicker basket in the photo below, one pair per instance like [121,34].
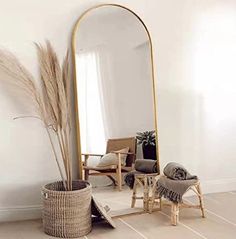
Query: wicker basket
[67,214]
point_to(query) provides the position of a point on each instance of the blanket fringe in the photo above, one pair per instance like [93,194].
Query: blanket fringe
[169,194]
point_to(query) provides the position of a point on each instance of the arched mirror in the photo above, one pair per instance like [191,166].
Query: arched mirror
[115,99]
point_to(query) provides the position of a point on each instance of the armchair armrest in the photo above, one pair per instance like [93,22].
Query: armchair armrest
[116,152]
[90,154]
[119,157]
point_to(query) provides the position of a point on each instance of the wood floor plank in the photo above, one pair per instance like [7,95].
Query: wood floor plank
[222,204]
[156,225]
[151,226]
[210,227]
[33,230]
[23,230]
[103,231]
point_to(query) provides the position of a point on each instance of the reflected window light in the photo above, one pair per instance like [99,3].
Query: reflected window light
[90,109]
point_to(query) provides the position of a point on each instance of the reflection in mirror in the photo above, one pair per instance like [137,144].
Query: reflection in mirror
[115,100]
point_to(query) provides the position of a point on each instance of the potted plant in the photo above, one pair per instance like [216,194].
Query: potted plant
[66,203]
[148,141]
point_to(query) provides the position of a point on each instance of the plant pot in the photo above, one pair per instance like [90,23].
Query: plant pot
[67,214]
[149,151]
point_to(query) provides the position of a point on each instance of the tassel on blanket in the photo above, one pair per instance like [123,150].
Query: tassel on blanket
[175,183]
[168,194]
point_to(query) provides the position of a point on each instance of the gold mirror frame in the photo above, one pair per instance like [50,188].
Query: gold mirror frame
[73,47]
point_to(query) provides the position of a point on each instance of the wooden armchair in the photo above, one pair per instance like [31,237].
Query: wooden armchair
[114,172]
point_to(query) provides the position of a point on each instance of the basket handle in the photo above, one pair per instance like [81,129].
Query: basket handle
[45,195]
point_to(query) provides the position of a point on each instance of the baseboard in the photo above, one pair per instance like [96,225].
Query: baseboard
[216,186]
[35,211]
[19,213]
[219,185]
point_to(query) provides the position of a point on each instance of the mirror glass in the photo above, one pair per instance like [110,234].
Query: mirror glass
[115,97]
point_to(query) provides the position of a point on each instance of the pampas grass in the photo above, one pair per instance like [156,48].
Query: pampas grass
[51,100]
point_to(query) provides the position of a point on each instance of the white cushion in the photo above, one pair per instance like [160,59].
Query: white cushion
[108,160]
[112,158]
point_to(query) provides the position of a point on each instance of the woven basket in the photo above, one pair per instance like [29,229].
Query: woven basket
[67,214]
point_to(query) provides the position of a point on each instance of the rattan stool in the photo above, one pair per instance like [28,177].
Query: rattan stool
[175,207]
[146,182]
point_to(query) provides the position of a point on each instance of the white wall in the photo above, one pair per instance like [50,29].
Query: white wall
[195,52]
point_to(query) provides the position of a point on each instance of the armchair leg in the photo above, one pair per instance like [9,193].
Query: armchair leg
[112,179]
[119,178]
[86,174]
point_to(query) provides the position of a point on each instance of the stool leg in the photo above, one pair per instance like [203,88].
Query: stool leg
[160,208]
[174,213]
[134,193]
[200,197]
[145,194]
[152,200]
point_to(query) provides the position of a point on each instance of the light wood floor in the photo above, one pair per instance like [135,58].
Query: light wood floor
[118,202]
[219,224]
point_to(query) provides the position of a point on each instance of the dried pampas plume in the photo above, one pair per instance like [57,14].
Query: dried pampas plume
[51,100]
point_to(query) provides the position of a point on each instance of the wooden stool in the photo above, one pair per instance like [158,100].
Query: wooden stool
[146,181]
[175,207]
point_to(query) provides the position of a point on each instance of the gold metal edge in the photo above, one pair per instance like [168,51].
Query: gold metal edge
[73,47]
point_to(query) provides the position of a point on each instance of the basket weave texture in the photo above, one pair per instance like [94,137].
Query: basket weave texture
[67,214]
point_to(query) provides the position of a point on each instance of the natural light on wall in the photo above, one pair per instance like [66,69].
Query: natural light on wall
[214,63]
